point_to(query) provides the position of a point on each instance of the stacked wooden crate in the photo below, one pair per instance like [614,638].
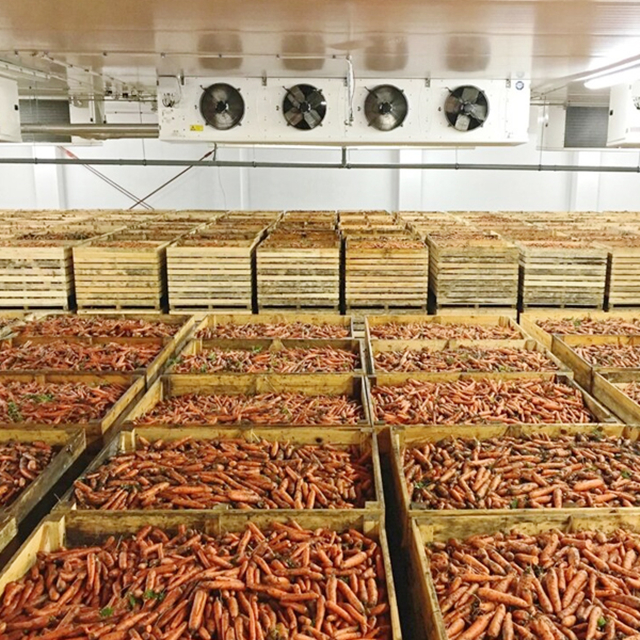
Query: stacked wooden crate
[126,269]
[469,268]
[386,265]
[36,268]
[298,265]
[214,267]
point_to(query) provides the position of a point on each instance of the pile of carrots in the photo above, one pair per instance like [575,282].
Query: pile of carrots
[294,360]
[611,355]
[97,326]
[294,330]
[55,403]
[583,470]
[464,359]
[437,331]
[549,586]
[72,356]
[203,474]
[263,408]
[20,464]
[632,389]
[591,326]
[285,582]
[480,401]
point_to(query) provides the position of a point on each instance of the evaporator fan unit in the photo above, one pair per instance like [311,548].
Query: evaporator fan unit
[385,107]
[222,106]
[466,108]
[304,107]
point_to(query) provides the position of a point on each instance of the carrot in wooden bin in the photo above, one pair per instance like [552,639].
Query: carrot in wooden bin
[252,585]
[202,474]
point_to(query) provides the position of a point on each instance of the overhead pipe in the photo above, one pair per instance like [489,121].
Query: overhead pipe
[255,164]
[94,131]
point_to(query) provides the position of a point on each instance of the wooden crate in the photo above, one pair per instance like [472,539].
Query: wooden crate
[311,384]
[408,437]
[289,275]
[427,529]
[528,320]
[602,415]
[196,346]
[36,277]
[609,389]
[118,277]
[564,348]
[572,274]
[170,345]
[216,319]
[481,319]
[127,442]
[78,528]
[95,429]
[385,346]
[623,248]
[68,447]
[211,276]
[385,277]
[473,272]
[9,319]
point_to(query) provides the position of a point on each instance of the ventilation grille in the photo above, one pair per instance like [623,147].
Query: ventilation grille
[586,127]
[35,111]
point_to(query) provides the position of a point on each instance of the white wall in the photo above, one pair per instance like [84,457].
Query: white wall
[41,186]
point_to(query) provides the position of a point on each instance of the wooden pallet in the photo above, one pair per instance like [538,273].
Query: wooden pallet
[385,277]
[474,272]
[292,276]
[571,274]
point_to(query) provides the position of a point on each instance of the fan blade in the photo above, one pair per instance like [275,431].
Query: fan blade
[297,93]
[454,104]
[398,104]
[312,119]
[462,122]
[315,99]
[224,118]
[386,94]
[477,111]
[470,94]
[294,117]
[219,94]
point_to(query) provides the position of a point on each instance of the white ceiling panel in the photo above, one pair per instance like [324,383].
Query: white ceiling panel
[131,39]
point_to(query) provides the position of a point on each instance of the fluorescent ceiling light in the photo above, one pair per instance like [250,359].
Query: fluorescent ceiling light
[611,79]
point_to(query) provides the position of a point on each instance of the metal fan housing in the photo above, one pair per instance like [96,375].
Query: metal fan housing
[304,107]
[385,107]
[222,106]
[466,108]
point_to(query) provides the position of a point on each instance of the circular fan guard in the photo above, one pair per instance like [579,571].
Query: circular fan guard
[222,106]
[385,107]
[304,107]
[466,108]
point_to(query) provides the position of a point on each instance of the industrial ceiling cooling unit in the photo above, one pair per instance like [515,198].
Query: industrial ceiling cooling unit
[326,111]
[624,115]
